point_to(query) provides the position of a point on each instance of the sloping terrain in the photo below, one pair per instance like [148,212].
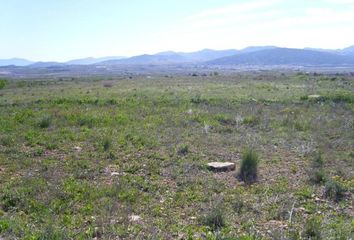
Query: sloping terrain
[286,56]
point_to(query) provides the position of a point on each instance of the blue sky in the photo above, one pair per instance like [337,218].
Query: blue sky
[59,30]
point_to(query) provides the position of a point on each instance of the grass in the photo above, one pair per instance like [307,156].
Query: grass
[78,159]
[249,166]
[215,219]
[334,190]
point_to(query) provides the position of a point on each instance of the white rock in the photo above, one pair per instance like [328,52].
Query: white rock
[221,166]
[134,218]
[78,149]
[314,96]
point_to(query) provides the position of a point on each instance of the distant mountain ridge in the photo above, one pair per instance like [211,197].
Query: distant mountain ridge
[286,56]
[91,60]
[253,55]
[170,57]
[15,62]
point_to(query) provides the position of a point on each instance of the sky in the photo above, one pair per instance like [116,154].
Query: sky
[60,30]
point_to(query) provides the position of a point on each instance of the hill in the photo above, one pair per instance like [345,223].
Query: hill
[286,56]
[91,60]
[170,57]
[15,62]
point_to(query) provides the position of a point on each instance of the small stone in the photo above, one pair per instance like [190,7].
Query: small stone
[115,174]
[221,166]
[190,112]
[134,218]
[78,149]
[314,96]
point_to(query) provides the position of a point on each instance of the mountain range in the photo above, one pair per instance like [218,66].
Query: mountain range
[255,55]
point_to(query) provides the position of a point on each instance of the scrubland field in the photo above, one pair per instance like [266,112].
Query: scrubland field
[126,158]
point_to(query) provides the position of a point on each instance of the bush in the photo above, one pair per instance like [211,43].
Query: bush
[249,164]
[313,229]
[215,219]
[318,176]
[334,190]
[45,122]
[251,120]
[107,142]
[183,150]
[3,83]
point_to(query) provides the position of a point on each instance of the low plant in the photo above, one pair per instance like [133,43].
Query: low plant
[45,122]
[3,83]
[215,219]
[107,143]
[316,172]
[249,166]
[313,228]
[334,190]
[183,150]
[251,120]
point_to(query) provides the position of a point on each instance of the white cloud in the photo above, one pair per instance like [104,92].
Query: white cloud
[261,23]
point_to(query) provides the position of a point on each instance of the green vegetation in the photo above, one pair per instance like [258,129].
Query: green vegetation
[125,157]
[249,164]
[3,83]
[334,190]
[215,219]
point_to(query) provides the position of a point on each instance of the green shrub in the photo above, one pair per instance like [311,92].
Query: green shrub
[107,142]
[3,83]
[45,122]
[313,228]
[317,161]
[183,150]
[249,165]
[334,190]
[251,120]
[215,219]
[318,176]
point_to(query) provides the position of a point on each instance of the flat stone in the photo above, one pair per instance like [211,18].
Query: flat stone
[221,166]
[78,149]
[135,218]
[314,96]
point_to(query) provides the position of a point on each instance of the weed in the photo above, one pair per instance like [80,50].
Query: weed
[316,172]
[313,228]
[3,83]
[249,164]
[317,176]
[334,190]
[215,219]
[107,143]
[251,120]
[45,122]
[183,150]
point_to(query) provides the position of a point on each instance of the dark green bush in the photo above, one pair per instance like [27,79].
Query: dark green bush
[334,190]
[3,83]
[183,149]
[45,122]
[316,173]
[215,219]
[249,164]
[313,229]
[318,176]
[107,142]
